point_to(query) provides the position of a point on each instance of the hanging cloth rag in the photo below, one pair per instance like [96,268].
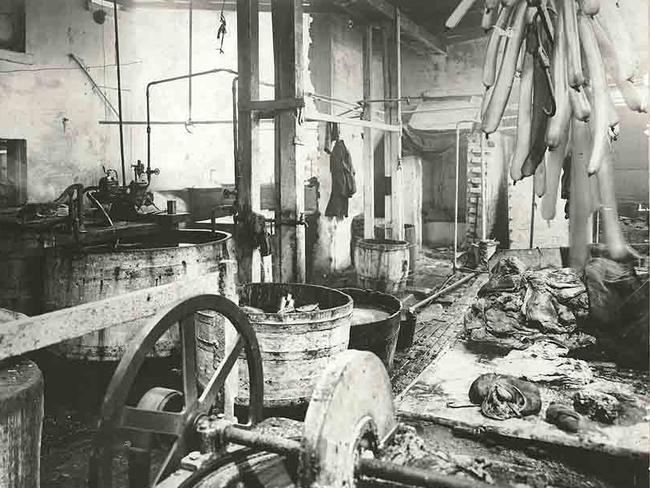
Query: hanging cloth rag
[343,181]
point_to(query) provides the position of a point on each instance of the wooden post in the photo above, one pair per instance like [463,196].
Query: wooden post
[368,143]
[248,140]
[395,70]
[387,41]
[290,198]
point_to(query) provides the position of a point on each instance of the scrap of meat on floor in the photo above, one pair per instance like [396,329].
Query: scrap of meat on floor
[604,312]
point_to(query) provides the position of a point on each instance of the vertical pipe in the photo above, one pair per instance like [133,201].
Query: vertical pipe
[119,90]
[149,132]
[189,79]
[235,140]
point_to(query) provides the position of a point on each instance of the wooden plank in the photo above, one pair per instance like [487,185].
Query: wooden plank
[288,56]
[133,309]
[368,143]
[397,197]
[408,27]
[448,380]
[393,146]
[248,88]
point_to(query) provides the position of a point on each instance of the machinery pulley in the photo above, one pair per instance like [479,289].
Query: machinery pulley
[349,419]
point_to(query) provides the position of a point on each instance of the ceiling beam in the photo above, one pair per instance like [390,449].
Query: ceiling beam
[409,27]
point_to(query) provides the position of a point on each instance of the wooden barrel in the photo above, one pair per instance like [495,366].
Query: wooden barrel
[375,323]
[73,277]
[210,341]
[410,237]
[21,419]
[21,256]
[382,265]
[296,347]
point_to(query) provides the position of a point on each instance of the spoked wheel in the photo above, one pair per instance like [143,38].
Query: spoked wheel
[136,421]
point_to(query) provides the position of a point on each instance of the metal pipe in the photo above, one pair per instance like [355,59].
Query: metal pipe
[169,80]
[167,122]
[444,291]
[409,476]
[189,80]
[458,124]
[119,90]
[235,129]
[311,116]
[262,442]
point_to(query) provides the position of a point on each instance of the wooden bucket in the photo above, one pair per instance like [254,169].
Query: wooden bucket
[410,237]
[375,332]
[210,342]
[21,418]
[74,277]
[296,347]
[382,265]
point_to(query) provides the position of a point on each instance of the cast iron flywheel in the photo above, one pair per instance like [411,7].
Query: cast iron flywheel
[117,416]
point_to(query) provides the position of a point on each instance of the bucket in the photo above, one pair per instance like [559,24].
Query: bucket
[484,250]
[375,323]
[210,343]
[410,237]
[296,347]
[382,265]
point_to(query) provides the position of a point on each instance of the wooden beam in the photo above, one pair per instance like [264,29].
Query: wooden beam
[248,88]
[267,109]
[368,143]
[133,309]
[408,27]
[396,173]
[288,56]
[387,39]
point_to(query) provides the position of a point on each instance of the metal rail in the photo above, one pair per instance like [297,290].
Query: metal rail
[119,91]
[445,290]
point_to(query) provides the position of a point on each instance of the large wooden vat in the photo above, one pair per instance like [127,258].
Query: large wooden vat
[21,255]
[382,265]
[296,347]
[74,277]
[21,419]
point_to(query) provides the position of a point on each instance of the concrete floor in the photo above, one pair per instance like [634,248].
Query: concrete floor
[72,407]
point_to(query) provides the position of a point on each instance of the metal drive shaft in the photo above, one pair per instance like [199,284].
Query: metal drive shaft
[263,442]
[383,470]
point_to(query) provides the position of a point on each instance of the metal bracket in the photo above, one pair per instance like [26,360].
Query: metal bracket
[294,223]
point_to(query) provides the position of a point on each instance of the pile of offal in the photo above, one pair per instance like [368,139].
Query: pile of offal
[546,322]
